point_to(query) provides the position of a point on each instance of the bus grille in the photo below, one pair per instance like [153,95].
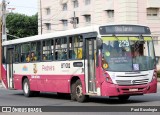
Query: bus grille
[132,82]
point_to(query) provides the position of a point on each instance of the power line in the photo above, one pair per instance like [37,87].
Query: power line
[23,7]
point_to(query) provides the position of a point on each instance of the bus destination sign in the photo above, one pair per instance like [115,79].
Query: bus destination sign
[124,29]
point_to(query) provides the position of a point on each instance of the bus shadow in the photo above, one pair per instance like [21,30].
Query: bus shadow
[114,101]
[49,96]
[55,96]
[98,100]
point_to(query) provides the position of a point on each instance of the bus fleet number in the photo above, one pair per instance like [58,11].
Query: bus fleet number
[65,65]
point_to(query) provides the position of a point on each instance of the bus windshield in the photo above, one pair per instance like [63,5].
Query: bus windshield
[124,54]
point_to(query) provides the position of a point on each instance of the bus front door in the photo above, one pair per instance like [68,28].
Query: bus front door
[10,68]
[90,66]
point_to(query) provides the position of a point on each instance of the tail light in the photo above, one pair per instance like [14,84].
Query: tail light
[108,78]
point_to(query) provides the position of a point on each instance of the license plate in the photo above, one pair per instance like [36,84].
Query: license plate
[133,89]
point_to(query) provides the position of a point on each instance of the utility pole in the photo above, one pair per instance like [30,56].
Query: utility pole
[4,35]
[41,16]
[0,49]
[74,21]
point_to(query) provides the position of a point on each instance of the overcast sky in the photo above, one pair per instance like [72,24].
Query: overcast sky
[28,7]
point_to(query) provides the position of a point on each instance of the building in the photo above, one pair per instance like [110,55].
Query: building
[58,15]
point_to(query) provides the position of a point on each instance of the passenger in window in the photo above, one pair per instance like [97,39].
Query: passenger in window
[64,55]
[79,55]
[28,58]
[33,57]
[72,54]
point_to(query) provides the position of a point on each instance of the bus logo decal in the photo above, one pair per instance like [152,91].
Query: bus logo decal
[35,68]
[25,68]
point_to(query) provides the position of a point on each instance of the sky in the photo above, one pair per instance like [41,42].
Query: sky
[27,7]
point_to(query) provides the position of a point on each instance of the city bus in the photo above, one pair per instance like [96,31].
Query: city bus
[109,60]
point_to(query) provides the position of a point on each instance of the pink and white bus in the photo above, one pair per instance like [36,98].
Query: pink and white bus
[108,60]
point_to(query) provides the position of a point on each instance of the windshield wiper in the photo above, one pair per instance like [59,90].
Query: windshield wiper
[116,37]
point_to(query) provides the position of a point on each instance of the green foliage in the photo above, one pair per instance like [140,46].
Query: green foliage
[21,25]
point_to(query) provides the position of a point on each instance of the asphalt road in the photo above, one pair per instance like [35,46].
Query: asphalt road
[16,98]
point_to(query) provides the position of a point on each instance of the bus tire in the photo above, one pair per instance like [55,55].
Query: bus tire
[73,92]
[80,97]
[123,97]
[26,88]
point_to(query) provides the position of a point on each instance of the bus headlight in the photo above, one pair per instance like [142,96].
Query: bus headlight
[154,75]
[108,78]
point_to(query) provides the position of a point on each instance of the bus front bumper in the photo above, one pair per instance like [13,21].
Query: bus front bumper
[109,89]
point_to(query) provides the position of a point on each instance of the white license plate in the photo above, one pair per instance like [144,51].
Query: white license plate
[133,89]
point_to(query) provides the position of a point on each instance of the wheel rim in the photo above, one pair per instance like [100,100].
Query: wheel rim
[26,88]
[79,91]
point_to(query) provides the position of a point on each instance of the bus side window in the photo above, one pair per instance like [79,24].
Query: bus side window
[72,54]
[51,56]
[64,55]
[44,57]
[22,57]
[79,53]
[56,55]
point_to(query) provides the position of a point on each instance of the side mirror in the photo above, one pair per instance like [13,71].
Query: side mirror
[99,43]
[157,60]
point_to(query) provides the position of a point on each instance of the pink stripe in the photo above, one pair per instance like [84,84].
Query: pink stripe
[49,83]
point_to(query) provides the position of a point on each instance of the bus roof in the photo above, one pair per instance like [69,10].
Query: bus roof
[61,33]
[51,35]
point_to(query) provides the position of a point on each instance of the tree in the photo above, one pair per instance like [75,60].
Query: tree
[21,25]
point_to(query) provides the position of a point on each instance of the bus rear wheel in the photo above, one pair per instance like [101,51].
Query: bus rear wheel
[77,92]
[26,88]
[123,97]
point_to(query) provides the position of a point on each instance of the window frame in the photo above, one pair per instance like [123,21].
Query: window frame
[64,7]
[48,11]
[153,12]
[75,4]
[48,26]
[87,2]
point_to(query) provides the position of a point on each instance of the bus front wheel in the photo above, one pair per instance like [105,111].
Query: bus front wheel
[26,88]
[77,92]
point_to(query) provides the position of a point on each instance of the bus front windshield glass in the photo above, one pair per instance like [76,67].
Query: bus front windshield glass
[124,54]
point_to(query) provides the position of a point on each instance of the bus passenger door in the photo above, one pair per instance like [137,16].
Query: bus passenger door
[90,66]
[10,68]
